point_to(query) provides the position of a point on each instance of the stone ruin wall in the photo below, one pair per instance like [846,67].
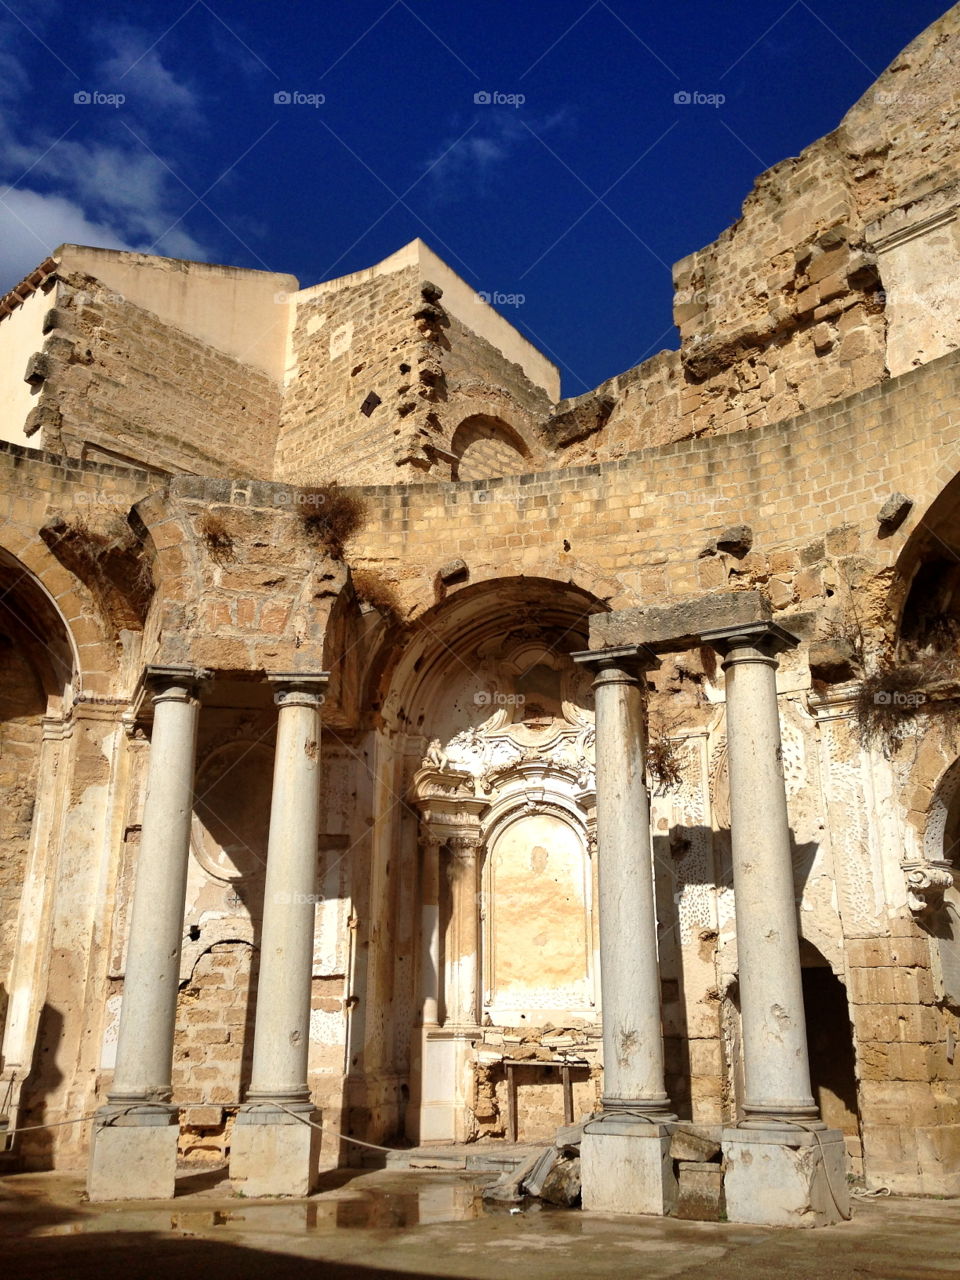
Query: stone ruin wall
[793,308]
[379,377]
[116,383]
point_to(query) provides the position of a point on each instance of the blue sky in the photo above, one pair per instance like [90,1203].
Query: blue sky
[538,147]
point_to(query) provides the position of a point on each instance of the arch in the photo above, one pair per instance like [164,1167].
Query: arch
[484,446]
[32,619]
[57,613]
[934,542]
[942,829]
[400,681]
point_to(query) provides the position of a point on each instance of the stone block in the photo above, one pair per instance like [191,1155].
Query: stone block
[275,1158]
[678,625]
[688,1144]
[782,1178]
[700,1195]
[625,1167]
[562,1184]
[133,1162]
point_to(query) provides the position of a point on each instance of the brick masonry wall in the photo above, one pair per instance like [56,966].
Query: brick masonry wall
[120,384]
[381,337]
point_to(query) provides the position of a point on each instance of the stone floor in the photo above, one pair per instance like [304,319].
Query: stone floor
[363,1225]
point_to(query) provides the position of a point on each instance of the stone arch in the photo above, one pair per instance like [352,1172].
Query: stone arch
[926,586]
[941,835]
[404,680]
[59,615]
[484,446]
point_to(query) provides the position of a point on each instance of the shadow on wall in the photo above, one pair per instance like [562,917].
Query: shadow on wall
[691,863]
[44,1080]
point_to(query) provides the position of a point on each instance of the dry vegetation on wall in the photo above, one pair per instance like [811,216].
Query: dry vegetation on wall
[896,700]
[373,588]
[664,766]
[330,516]
[109,558]
[216,537]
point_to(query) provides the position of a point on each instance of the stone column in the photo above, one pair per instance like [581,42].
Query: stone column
[770,1179]
[626,1164]
[430,955]
[775,1065]
[134,1150]
[273,1153]
[462,987]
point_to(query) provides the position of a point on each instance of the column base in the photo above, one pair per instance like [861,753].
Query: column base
[625,1167]
[274,1154]
[133,1155]
[784,1177]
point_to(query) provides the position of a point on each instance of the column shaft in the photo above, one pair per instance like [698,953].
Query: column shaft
[776,1067]
[629,968]
[430,933]
[462,993]
[152,973]
[282,1034]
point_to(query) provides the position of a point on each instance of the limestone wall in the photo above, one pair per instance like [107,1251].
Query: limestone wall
[119,383]
[380,374]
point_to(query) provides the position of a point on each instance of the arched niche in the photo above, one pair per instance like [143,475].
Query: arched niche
[483,446]
[539,934]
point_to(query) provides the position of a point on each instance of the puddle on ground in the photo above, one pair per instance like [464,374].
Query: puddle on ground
[370,1209]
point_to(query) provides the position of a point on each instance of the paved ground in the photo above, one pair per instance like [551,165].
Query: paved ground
[362,1226]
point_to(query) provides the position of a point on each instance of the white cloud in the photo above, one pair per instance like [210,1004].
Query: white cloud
[111,195]
[136,69]
[32,224]
[470,165]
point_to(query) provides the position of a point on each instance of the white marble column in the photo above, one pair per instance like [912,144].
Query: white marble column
[625,1152]
[462,984]
[430,954]
[134,1148]
[273,1153]
[633,1075]
[775,1064]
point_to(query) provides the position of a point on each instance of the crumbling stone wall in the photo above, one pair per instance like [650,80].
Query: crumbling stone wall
[381,375]
[786,310]
[118,383]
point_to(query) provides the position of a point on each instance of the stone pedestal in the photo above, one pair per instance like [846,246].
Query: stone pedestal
[446,1086]
[274,1154]
[625,1167]
[133,1157]
[781,1178]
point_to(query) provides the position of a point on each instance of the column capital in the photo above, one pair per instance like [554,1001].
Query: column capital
[173,683]
[768,638]
[299,688]
[463,844]
[626,662]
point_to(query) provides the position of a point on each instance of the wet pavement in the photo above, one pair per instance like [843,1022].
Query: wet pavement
[363,1225]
